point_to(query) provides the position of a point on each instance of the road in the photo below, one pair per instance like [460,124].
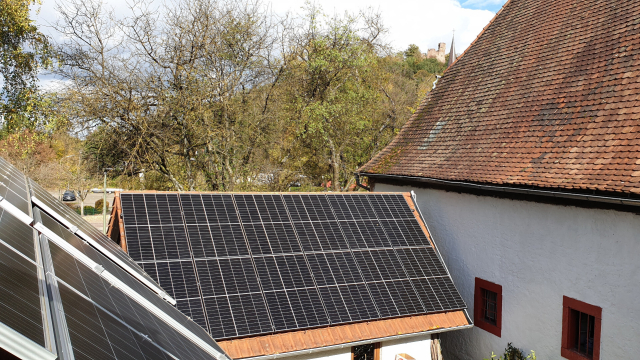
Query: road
[95,220]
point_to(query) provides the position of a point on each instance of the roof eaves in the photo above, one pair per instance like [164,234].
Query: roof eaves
[535,191]
[341,336]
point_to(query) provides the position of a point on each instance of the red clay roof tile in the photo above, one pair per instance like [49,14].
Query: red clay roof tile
[548,95]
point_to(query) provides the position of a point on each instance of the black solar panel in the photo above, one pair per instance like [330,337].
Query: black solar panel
[66,292]
[71,220]
[20,306]
[13,186]
[273,262]
[17,235]
[73,274]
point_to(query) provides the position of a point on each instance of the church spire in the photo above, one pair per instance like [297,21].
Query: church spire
[452,52]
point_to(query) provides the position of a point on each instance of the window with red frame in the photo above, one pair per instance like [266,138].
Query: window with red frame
[580,330]
[488,306]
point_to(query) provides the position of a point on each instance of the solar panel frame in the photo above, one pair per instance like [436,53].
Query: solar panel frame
[295,260]
[14,190]
[113,272]
[22,239]
[74,273]
[89,233]
[20,295]
[43,297]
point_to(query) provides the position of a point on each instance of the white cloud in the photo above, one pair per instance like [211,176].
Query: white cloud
[424,23]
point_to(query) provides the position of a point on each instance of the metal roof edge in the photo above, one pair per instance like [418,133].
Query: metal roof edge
[356,343]
[21,346]
[509,189]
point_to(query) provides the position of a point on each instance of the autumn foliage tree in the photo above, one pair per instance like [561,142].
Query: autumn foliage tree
[24,52]
[224,95]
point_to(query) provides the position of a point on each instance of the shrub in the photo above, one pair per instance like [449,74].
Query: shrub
[89,210]
[513,353]
[98,205]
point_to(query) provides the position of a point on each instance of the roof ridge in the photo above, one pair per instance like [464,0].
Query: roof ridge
[547,95]
[480,34]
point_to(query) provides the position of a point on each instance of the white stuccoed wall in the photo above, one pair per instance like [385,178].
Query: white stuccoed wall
[538,253]
[339,354]
[418,347]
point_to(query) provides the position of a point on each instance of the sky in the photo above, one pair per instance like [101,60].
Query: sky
[422,22]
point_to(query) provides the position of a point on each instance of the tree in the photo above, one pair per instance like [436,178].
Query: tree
[223,95]
[24,52]
[333,93]
[184,95]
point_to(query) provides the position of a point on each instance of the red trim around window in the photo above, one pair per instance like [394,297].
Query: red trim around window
[478,314]
[595,311]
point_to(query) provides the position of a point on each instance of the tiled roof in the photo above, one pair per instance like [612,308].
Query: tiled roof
[341,334]
[547,96]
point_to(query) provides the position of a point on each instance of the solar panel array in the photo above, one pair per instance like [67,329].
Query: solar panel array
[61,297]
[248,264]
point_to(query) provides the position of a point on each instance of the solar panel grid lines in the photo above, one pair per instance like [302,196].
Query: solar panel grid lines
[71,220]
[339,242]
[312,268]
[369,292]
[194,305]
[285,274]
[412,290]
[13,189]
[129,307]
[237,207]
[20,301]
[17,234]
[96,334]
[416,236]
[334,307]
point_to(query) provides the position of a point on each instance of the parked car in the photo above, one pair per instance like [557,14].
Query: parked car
[68,196]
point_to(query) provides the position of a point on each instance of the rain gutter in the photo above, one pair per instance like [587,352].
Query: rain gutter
[513,190]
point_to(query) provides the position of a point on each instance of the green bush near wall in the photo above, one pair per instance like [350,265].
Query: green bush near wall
[513,353]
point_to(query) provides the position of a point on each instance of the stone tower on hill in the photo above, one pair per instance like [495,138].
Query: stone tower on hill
[439,54]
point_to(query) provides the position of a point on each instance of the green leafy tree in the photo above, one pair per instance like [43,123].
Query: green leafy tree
[333,91]
[24,52]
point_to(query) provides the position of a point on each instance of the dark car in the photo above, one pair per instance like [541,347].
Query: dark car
[68,196]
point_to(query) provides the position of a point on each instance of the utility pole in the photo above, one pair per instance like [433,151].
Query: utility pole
[104,201]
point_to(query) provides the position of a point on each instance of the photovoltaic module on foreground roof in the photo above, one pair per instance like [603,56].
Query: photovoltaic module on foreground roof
[249,264]
[67,292]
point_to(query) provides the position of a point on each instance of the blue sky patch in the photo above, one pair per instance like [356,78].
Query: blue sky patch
[491,5]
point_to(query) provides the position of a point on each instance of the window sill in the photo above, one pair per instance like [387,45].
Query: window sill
[493,329]
[573,355]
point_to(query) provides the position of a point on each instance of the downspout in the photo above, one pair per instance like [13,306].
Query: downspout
[360,184]
[356,343]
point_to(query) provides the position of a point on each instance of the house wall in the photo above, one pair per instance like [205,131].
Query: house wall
[538,253]
[339,354]
[418,347]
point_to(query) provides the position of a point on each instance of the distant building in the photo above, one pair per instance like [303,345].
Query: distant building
[439,54]
[526,163]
